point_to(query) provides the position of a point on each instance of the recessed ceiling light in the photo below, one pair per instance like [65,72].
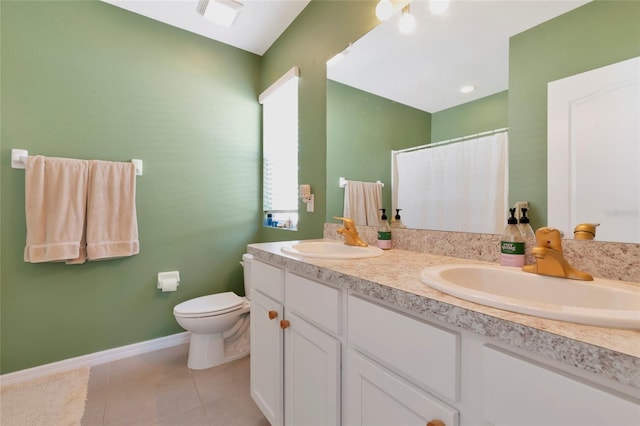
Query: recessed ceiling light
[223,12]
[467,89]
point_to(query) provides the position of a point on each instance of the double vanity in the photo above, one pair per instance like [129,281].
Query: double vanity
[364,341]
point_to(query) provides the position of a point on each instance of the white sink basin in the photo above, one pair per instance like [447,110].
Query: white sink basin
[601,302]
[330,249]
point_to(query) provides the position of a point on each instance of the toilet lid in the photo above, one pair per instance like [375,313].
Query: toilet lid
[213,304]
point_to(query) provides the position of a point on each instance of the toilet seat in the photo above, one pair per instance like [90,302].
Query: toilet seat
[211,305]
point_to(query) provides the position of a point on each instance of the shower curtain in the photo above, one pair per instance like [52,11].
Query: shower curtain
[460,186]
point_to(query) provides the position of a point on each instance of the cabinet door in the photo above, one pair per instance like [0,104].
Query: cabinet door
[377,397]
[267,357]
[427,355]
[312,375]
[518,392]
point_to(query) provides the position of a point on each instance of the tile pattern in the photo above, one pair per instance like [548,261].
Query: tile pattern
[158,389]
[393,279]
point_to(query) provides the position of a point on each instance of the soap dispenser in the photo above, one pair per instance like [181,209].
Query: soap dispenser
[397,222]
[525,227]
[384,232]
[512,243]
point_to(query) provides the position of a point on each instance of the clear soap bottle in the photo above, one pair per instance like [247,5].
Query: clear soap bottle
[525,227]
[512,243]
[384,232]
[397,222]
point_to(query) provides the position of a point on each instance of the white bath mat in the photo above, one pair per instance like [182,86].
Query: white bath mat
[58,399]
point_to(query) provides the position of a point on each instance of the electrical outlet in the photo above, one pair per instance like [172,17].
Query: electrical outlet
[305,192]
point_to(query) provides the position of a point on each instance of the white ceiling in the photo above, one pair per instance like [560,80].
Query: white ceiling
[258,26]
[468,45]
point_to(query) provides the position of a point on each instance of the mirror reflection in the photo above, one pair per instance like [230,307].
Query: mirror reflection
[392,91]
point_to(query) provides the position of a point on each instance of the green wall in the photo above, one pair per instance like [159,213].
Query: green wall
[362,129]
[320,31]
[482,115]
[90,80]
[597,34]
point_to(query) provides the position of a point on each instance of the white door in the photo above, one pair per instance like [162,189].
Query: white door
[593,151]
[267,357]
[312,375]
[377,397]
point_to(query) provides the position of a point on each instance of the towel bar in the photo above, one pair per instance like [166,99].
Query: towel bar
[343,182]
[19,160]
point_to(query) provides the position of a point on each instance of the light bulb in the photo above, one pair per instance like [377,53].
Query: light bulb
[384,10]
[467,89]
[407,22]
[438,6]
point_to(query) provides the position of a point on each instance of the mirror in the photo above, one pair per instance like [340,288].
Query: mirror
[467,45]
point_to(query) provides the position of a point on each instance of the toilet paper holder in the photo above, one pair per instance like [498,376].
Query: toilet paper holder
[168,281]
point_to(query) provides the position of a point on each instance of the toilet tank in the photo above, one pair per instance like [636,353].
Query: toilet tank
[246,265]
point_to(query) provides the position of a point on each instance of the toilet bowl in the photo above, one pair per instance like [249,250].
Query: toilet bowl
[219,325]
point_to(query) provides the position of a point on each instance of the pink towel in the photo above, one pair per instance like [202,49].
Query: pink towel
[55,202]
[112,224]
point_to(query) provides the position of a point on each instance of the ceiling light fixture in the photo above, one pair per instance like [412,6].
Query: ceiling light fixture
[223,12]
[384,10]
[407,22]
[467,89]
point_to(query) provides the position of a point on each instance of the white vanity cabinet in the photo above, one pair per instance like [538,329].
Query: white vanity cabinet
[520,392]
[321,355]
[295,354]
[398,369]
[267,353]
[403,370]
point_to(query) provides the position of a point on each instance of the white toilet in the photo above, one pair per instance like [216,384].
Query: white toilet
[219,325]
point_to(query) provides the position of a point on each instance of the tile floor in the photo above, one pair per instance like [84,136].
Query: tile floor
[157,389]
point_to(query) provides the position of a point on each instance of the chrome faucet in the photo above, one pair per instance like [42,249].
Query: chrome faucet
[549,257]
[350,233]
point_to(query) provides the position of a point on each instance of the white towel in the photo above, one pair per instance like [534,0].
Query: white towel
[362,202]
[112,224]
[55,203]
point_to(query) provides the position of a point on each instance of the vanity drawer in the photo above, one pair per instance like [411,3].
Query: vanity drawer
[268,280]
[418,351]
[520,391]
[315,301]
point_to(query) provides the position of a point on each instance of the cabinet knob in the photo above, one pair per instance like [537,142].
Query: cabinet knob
[436,423]
[284,324]
[273,314]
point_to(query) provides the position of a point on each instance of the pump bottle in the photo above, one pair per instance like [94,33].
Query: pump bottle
[384,232]
[525,227]
[397,222]
[512,243]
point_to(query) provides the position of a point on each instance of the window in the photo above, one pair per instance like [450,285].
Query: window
[280,151]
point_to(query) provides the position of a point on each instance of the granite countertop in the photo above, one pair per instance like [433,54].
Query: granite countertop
[394,279]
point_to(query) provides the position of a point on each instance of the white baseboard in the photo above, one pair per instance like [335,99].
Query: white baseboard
[95,358]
